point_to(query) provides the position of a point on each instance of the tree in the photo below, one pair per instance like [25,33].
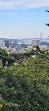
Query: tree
[10,60]
[25,88]
[5,57]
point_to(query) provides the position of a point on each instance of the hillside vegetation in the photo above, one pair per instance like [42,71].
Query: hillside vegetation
[25,87]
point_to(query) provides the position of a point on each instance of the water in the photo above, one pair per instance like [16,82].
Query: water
[26,41]
[29,41]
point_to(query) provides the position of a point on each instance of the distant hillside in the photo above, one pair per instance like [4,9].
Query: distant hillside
[8,39]
[27,41]
[45,43]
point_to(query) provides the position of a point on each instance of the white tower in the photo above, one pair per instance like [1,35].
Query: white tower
[41,36]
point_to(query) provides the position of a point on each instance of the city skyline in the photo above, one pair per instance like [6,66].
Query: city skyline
[24,18]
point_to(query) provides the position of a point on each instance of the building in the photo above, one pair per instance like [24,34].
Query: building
[43,47]
[2,44]
[35,42]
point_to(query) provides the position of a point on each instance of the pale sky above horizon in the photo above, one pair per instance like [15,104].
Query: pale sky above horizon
[24,18]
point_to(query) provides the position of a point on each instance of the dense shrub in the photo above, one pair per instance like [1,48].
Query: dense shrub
[25,87]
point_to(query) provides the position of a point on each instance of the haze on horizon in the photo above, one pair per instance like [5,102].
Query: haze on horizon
[23,18]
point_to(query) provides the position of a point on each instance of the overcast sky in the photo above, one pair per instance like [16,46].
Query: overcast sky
[24,18]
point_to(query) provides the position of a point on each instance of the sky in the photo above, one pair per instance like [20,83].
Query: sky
[24,18]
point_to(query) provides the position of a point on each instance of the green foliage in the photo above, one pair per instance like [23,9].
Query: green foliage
[10,60]
[25,87]
[5,57]
[21,56]
[3,53]
[47,24]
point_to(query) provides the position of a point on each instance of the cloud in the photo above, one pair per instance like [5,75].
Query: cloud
[20,4]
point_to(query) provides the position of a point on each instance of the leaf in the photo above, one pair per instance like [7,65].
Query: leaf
[47,24]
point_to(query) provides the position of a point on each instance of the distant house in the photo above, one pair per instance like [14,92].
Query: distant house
[43,47]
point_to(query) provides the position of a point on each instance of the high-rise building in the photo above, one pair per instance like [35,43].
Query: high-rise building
[35,42]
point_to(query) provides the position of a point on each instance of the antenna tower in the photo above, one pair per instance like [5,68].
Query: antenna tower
[41,36]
